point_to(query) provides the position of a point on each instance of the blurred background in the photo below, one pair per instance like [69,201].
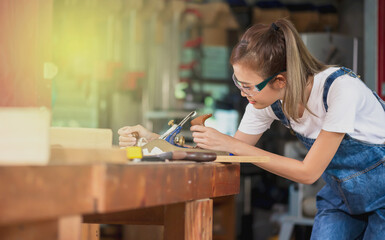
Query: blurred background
[108,64]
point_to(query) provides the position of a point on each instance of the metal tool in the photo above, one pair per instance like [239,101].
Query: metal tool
[182,156]
[170,134]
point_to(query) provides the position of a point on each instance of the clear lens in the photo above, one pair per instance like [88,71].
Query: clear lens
[249,91]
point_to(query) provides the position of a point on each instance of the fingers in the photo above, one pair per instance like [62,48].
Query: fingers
[127,141]
[200,140]
[198,135]
[127,144]
[124,130]
[198,128]
[204,146]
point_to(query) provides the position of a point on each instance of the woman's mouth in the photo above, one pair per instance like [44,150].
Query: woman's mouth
[251,101]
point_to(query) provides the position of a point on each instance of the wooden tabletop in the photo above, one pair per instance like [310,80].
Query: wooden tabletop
[30,193]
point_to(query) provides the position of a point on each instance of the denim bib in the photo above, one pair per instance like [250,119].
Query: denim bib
[355,176]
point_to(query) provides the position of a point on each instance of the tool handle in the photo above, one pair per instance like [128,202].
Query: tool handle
[135,135]
[194,156]
[200,120]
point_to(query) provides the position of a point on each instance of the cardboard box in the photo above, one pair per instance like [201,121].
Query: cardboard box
[217,20]
[269,15]
[305,21]
[328,22]
[213,36]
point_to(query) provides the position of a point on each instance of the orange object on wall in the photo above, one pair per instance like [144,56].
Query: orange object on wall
[25,31]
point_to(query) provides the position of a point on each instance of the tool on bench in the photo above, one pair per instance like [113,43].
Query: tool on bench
[182,156]
[135,153]
[171,134]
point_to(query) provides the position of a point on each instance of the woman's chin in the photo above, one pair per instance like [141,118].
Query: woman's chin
[257,105]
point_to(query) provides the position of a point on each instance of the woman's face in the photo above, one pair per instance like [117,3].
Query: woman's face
[267,96]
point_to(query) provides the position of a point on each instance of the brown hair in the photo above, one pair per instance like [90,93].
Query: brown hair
[271,49]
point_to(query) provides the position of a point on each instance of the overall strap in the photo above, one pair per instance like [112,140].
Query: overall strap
[330,80]
[382,102]
[277,109]
[336,74]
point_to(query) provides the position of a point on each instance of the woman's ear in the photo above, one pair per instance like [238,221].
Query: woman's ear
[279,82]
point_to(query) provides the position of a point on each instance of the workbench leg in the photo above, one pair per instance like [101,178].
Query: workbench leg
[70,228]
[189,220]
[66,228]
[90,231]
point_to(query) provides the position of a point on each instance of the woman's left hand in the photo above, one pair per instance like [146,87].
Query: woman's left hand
[209,138]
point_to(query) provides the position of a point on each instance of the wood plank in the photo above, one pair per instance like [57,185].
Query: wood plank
[34,193]
[189,221]
[70,155]
[81,137]
[47,229]
[24,136]
[242,159]
[90,231]
[65,228]
[144,216]
[152,184]
[61,155]
[70,228]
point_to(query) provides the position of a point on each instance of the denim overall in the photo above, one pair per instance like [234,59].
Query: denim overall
[352,203]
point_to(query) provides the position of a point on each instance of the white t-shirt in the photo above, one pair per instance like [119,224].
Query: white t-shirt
[352,109]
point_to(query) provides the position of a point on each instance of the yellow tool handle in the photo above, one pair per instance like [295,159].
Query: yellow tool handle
[242,159]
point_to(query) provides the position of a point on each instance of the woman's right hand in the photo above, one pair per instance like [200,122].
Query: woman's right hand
[126,138]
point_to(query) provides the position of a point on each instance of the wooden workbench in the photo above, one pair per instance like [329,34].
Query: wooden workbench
[51,202]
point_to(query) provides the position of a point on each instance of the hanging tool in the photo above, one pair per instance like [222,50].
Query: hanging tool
[170,134]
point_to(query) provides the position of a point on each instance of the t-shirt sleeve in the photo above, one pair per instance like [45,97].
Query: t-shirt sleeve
[255,121]
[344,100]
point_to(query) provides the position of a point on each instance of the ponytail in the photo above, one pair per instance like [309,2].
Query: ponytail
[271,49]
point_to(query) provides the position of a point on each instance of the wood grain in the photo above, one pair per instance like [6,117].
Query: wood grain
[189,221]
[44,192]
[63,155]
[65,228]
[146,185]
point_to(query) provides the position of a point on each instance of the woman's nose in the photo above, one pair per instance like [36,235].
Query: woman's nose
[243,94]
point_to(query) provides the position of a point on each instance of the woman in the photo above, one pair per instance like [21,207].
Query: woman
[332,112]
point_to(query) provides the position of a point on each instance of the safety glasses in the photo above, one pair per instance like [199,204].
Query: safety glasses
[251,90]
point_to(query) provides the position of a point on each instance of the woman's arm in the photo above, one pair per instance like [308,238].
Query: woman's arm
[306,171]
[247,138]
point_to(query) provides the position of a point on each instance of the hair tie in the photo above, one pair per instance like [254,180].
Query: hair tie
[275,27]
[243,42]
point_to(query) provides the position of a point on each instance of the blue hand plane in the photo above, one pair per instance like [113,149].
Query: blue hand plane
[171,134]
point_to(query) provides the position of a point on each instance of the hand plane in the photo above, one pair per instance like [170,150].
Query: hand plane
[171,134]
